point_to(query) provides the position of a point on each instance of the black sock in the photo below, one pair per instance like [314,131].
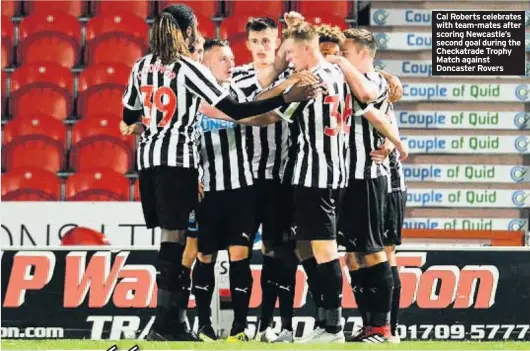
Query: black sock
[357,283]
[269,291]
[169,288]
[286,288]
[240,288]
[378,294]
[396,295]
[203,287]
[331,276]
[313,281]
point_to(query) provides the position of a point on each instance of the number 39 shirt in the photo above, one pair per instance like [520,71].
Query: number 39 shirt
[169,97]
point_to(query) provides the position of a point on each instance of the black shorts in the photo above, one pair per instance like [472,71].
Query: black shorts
[394,216]
[315,213]
[274,210]
[168,195]
[226,218]
[362,215]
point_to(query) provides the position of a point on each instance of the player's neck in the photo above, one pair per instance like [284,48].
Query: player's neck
[314,61]
[366,66]
[261,65]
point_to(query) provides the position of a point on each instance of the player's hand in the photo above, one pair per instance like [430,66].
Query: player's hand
[134,129]
[302,92]
[403,149]
[379,155]
[395,89]
[304,77]
[292,18]
[334,59]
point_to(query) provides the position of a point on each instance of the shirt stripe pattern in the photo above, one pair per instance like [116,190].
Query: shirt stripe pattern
[223,152]
[321,130]
[169,96]
[267,145]
[365,137]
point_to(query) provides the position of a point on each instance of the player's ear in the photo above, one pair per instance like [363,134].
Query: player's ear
[278,43]
[247,42]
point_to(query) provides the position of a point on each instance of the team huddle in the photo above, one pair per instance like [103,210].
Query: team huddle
[302,141]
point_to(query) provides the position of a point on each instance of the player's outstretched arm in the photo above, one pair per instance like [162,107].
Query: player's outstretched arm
[395,88]
[383,125]
[361,87]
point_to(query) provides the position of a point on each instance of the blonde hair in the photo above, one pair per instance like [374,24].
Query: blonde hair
[166,39]
[301,31]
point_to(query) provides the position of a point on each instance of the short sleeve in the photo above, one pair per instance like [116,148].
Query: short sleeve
[131,98]
[201,81]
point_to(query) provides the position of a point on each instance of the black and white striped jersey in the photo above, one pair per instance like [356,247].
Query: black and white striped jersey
[169,97]
[365,138]
[267,145]
[396,177]
[224,158]
[321,143]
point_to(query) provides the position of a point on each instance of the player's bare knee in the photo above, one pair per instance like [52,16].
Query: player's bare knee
[238,253]
[352,261]
[391,255]
[373,258]
[190,252]
[205,258]
[324,250]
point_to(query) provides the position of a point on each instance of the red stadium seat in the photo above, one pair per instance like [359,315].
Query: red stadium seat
[233,29]
[97,142]
[97,185]
[30,126]
[140,8]
[42,89]
[30,184]
[206,26]
[10,8]
[38,151]
[51,36]
[100,127]
[272,8]
[3,90]
[137,190]
[7,41]
[84,237]
[327,18]
[101,87]
[119,38]
[6,49]
[76,8]
[339,8]
[208,8]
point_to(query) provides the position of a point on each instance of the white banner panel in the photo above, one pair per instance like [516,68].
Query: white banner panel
[466,92]
[410,41]
[45,223]
[423,68]
[477,198]
[463,120]
[479,144]
[466,173]
[515,224]
[411,17]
